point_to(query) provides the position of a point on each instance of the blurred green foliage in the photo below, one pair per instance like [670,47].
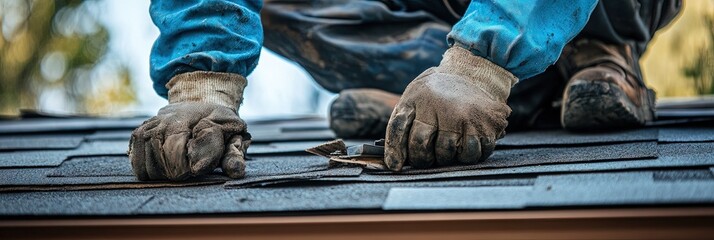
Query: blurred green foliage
[701,70]
[57,47]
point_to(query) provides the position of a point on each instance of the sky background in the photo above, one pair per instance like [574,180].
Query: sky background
[276,87]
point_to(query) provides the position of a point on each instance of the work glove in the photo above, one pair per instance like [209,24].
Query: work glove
[450,114]
[198,130]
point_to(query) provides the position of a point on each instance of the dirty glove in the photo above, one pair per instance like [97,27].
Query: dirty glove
[450,114]
[197,131]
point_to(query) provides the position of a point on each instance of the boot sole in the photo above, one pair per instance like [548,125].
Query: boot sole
[598,106]
[358,115]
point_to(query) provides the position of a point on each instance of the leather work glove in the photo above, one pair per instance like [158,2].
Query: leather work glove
[198,130]
[450,114]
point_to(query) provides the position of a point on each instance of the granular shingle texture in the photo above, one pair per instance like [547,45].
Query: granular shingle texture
[51,158]
[58,167]
[41,142]
[690,134]
[58,203]
[69,125]
[551,155]
[449,198]
[562,137]
[93,167]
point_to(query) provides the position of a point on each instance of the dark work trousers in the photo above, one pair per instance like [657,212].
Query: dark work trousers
[385,44]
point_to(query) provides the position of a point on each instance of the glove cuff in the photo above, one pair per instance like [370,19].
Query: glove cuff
[491,77]
[225,89]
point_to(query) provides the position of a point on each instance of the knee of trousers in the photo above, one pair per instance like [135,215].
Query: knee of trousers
[339,56]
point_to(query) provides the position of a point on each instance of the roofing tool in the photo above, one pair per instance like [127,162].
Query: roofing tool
[367,156]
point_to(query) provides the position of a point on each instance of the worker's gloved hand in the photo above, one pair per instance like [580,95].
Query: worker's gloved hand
[450,114]
[197,131]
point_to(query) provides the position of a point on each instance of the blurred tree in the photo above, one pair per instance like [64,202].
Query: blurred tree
[701,70]
[53,49]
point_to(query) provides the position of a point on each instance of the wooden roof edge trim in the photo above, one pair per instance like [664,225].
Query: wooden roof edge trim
[374,218]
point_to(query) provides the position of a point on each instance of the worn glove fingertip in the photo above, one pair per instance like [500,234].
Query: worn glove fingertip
[487,148]
[422,140]
[136,153]
[205,151]
[233,167]
[447,144]
[397,138]
[137,149]
[470,152]
[233,162]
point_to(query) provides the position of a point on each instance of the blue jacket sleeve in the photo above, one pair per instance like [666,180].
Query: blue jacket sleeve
[204,35]
[524,37]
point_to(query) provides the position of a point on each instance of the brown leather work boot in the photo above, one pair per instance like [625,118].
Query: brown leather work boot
[362,113]
[606,91]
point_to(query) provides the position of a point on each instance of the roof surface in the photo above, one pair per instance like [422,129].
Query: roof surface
[78,166]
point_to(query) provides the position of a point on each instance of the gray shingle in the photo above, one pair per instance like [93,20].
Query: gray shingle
[562,137]
[271,136]
[87,173]
[108,135]
[106,166]
[537,169]
[607,193]
[291,147]
[446,198]
[685,113]
[23,176]
[196,203]
[305,198]
[693,160]
[614,178]
[68,124]
[281,147]
[250,181]
[284,165]
[50,158]
[683,175]
[627,188]
[292,198]
[60,203]
[310,130]
[117,169]
[216,199]
[686,135]
[40,142]
[33,158]
[552,155]
[93,167]
[675,149]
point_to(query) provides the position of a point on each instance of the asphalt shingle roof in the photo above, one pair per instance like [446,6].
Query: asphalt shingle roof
[78,166]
